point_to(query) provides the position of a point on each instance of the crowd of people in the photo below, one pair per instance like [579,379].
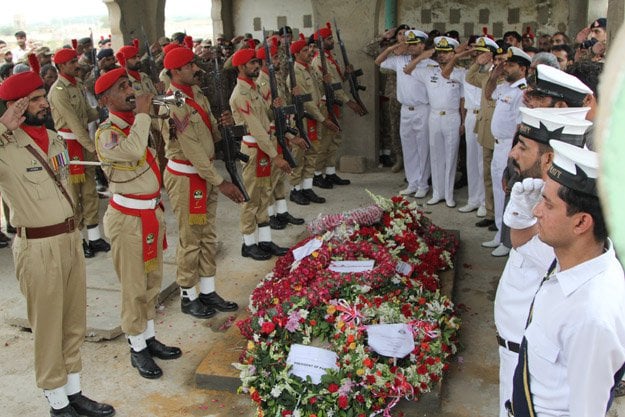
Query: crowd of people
[90,119]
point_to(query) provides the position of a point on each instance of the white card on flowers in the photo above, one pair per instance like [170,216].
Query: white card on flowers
[310,361]
[349,267]
[392,340]
[305,250]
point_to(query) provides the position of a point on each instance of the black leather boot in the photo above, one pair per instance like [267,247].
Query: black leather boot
[312,196]
[196,308]
[272,248]
[254,252]
[287,218]
[215,301]
[297,197]
[67,411]
[144,363]
[87,250]
[276,224]
[161,351]
[99,245]
[319,181]
[87,407]
[336,180]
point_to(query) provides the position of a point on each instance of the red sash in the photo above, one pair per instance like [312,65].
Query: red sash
[149,228]
[311,129]
[75,151]
[197,195]
[201,111]
[263,162]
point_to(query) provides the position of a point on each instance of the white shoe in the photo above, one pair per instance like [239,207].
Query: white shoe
[406,191]
[450,204]
[468,208]
[481,212]
[434,200]
[491,244]
[501,250]
[421,193]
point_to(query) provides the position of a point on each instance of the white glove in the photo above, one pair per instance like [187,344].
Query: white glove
[523,198]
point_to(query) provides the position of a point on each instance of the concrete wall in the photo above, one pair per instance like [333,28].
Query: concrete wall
[271,15]
[132,18]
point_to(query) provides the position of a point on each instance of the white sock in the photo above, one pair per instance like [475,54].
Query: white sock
[271,210]
[189,293]
[330,171]
[73,384]
[207,285]
[318,173]
[385,152]
[94,233]
[137,343]
[297,187]
[149,330]
[57,398]
[264,234]
[307,184]
[249,240]
[281,206]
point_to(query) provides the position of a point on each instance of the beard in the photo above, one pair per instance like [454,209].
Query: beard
[533,171]
[38,119]
[135,67]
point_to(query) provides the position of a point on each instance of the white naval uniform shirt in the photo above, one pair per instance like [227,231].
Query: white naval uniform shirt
[507,116]
[410,92]
[444,94]
[472,94]
[576,340]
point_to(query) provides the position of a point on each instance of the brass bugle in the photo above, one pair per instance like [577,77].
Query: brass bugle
[166,100]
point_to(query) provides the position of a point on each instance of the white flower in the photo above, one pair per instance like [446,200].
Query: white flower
[276,391]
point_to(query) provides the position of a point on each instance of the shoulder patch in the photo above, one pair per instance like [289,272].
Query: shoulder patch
[111,141]
[58,87]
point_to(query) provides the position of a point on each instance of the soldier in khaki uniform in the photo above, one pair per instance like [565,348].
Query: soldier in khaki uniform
[302,177]
[134,221]
[71,115]
[327,152]
[193,185]
[279,216]
[47,249]
[249,108]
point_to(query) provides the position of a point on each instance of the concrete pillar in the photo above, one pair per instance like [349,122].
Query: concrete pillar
[360,134]
[221,14]
[390,14]
[616,15]
[139,19]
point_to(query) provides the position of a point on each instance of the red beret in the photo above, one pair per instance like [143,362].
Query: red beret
[325,32]
[20,85]
[64,55]
[243,56]
[178,57]
[260,52]
[128,51]
[109,78]
[298,45]
[170,46]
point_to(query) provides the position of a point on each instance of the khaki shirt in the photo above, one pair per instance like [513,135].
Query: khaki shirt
[124,157]
[34,198]
[487,107]
[194,142]
[308,83]
[70,110]
[333,70]
[249,108]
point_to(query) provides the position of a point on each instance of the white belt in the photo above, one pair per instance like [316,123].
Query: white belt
[133,203]
[181,168]
[67,135]
[249,139]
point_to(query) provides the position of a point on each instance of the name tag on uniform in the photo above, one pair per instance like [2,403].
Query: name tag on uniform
[33,169]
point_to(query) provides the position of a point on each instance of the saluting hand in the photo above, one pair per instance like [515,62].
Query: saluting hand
[13,117]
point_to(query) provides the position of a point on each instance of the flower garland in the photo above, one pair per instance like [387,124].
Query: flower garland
[304,301]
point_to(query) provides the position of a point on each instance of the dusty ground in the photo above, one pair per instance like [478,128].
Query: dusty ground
[470,388]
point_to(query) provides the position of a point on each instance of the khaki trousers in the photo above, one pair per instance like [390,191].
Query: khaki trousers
[139,290]
[51,276]
[254,212]
[329,144]
[489,200]
[197,243]
[306,160]
[86,200]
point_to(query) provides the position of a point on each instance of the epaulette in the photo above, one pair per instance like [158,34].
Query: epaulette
[6,138]
[433,65]
[522,86]
[243,92]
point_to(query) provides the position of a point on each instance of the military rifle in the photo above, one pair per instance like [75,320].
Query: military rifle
[93,57]
[297,100]
[151,62]
[280,114]
[352,74]
[328,88]
[231,137]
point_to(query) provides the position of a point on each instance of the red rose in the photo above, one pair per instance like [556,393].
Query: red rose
[267,327]
[368,363]
[287,413]
[360,398]
[343,402]
[256,397]
[422,370]
[312,400]
[333,388]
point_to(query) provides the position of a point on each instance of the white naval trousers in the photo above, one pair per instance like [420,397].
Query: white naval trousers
[507,365]
[497,167]
[444,142]
[413,130]
[475,164]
